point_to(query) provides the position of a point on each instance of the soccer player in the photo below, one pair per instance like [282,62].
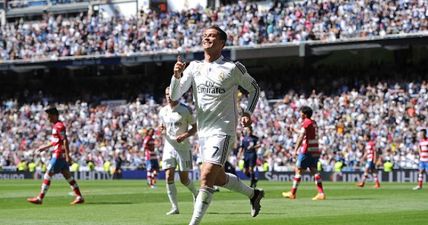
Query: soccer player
[152,163]
[215,82]
[423,158]
[60,160]
[248,147]
[175,119]
[309,154]
[371,157]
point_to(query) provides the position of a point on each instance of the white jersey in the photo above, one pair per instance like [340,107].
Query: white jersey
[177,121]
[214,87]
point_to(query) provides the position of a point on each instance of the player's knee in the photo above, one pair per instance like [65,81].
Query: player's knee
[184,180]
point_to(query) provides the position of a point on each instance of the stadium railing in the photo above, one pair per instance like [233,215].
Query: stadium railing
[300,49]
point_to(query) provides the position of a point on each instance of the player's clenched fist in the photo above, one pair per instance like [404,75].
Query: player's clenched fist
[179,67]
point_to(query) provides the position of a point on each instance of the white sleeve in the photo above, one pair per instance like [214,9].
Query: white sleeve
[161,120]
[249,84]
[179,86]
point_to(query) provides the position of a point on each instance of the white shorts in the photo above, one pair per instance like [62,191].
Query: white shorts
[172,158]
[216,148]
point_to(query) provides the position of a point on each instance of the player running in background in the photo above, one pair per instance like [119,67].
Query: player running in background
[371,156]
[423,158]
[309,154]
[248,147]
[215,82]
[60,160]
[175,119]
[152,163]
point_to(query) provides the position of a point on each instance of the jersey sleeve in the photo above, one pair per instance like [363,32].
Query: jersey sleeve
[179,86]
[161,117]
[248,83]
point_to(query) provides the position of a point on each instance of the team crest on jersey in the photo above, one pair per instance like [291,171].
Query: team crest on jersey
[198,70]
[221,76]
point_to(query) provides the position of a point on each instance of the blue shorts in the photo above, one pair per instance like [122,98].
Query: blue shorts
[57,165]
[152,164]
[423,166]
[306,161]
[370,165]
[250,160]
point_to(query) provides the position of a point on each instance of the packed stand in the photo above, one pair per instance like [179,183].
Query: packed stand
[247,24]
[100,134]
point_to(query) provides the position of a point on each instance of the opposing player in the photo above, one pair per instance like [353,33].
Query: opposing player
[309,154]
[370,156]
[215,82]
[248,147]
[423,158]
[175,119]
[152,162]
[60,160]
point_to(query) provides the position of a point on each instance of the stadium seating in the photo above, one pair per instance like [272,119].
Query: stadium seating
[247,25]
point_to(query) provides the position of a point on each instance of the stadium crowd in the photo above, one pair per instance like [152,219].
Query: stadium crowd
[247,25]
[392,113]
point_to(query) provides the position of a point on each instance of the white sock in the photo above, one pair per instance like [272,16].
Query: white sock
[203,200]
[171,190]
[234,184]
[192,188]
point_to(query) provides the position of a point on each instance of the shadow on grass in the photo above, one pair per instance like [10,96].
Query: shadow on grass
[109,203]
[349,199]
[243,213]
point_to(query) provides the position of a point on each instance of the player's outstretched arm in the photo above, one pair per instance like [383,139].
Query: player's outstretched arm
[181,79]
[44,147]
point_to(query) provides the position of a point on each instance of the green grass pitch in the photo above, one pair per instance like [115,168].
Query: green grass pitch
[132,202]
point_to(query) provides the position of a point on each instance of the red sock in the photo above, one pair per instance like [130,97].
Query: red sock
[318,182]
[296,181]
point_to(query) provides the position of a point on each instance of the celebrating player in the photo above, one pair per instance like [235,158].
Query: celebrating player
[60,160]
[215,82]
[371,157]
[423,158]
[175,121]
[152,163]
[309,154]
[248,147]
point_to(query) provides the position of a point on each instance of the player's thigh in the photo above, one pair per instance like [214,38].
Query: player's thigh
[184,177]
[148,165]
[302,161]
[216,148]
[169,159]
[155,164]
[210,174]
[423,166]
[56,165]
[184,160]
[169,174]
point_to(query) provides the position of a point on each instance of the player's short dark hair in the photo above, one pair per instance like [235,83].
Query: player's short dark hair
[221,33]
[306,110]
[424,132]
[51,110]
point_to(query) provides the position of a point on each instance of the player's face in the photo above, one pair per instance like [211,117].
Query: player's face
[151,132]
[421,135]
[52,118]
[211,40]
[302,115]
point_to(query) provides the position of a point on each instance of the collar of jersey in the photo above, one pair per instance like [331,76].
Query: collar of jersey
[217,60]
